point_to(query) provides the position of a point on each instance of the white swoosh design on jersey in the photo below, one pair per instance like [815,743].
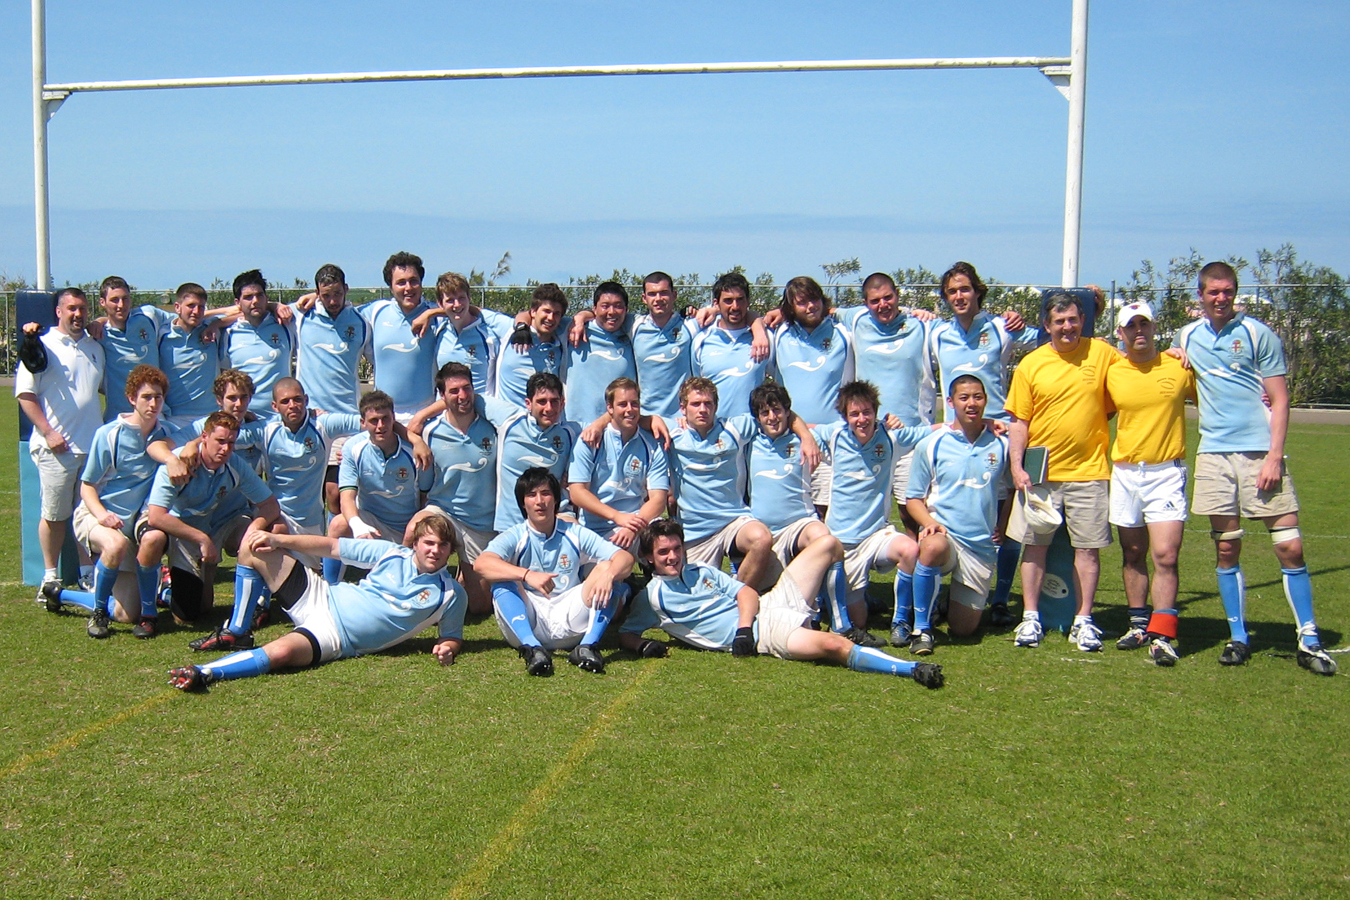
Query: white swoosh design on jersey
[335,349]
[976,483]
[973,367]
[260,360]
[468,466]
[388,495]
[888,348]
[608,354]
[1220,373]
[734,372]
[663,358]
[401,348]
[774,474]
[808,367]
[304,466]
[137,355]
[702,467]
[858,475]
[544,461]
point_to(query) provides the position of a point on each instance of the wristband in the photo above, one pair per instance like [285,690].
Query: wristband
[359,529]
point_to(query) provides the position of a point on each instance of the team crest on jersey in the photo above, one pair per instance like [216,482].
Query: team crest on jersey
[991,460]
[486,444]
[984,339]
[402,473]
[472,352]
[309,444]
[221,492]
[557,442]
[1237,346]
[878,451]
[143,334]
[719,445]
[275,338]
[349,332]
[634,466]
[564,561]
[423,597]
[707,584]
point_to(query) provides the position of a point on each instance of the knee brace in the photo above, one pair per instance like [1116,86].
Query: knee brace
[1284,535]
[1235,535]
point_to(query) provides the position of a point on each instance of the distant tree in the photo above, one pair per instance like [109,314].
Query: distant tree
[835,271]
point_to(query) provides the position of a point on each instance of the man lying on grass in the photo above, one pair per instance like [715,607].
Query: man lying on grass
[706,608]
[406,591]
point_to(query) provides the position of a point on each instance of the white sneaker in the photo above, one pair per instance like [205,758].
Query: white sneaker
[1163,652]
[1086,636]
[1028,633]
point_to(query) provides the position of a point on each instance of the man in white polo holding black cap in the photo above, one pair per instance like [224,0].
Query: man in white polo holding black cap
[1148,478]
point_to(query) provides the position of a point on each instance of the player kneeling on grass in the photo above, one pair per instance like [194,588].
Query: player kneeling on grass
[407,590]
[707,608]
[542,603]
[953,495]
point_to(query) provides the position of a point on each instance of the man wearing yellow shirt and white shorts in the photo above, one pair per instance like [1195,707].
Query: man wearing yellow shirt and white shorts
[1148,479]
[1058,400]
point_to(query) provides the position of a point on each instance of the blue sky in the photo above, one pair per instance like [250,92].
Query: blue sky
[1215,125]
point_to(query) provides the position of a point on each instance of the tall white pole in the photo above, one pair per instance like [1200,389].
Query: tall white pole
[40,199]
[1073,179]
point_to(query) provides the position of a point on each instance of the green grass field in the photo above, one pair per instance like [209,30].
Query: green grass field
[1033,773]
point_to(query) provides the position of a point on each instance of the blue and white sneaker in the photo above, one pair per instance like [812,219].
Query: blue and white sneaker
[1028,633]
[1086,636]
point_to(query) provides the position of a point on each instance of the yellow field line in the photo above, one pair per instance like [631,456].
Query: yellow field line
[504,843]
[74,740]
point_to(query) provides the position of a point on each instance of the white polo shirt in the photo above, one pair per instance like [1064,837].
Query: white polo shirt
[67,390]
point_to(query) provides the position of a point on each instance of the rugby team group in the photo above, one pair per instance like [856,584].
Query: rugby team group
[551,453]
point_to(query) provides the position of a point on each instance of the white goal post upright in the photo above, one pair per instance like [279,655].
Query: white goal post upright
[1069,75]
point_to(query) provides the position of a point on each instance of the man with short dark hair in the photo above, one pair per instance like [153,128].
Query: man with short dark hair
[545,352]
[256,343]
[188,358]
[604,355]
[724,351]
[404,360]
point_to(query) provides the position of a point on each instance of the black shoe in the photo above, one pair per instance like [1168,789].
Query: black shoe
[863,638]
[900,634]
[190,678]
[98,624]
[928,674]
[261,617]
[921,644]
[1235,653]
[1315,660]
[51,595]
[146,627]
[650,649]
[1001,617]
[223,639]
[538,661]
[587,658]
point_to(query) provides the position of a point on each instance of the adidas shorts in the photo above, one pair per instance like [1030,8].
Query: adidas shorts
[1148,492]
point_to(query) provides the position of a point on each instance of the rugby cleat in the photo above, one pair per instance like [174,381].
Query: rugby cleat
[1235,653]
[146,627]
[928,674]
[1134,639]
[98,625]
[650,649]
[587,658]
[921,644]
[190,678]
[261,617]
[50,592]
[538,661]
[1001,617]
[223,639]
[1028,633]
[863,638]
[900,634]
[1163,652]
[1315,660]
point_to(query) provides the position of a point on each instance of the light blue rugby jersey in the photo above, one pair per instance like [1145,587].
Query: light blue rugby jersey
[386,486]
[562,553]
[120,469]
[1230,368]
[295,463]
[522,444]
[395,601]
[984,351]
[960,482]
[709,475]
[515,368]
[860,494]
[465,480]
[780,491]
[619,473]
[664,357]
[896,358]
[591,366]
[812,365]
[192,367]
[697,607]
[328,350]
[247,446]
[476,346]
[126,348]
[210,499]
[405,364]
[263,353]
[723,356]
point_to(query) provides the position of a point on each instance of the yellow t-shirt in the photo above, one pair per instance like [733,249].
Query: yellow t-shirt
[1151,400]
[1062,398]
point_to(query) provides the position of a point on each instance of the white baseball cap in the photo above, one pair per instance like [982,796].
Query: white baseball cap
[1130,311]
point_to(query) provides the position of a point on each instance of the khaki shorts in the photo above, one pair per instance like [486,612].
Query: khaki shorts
[972,575]
[59,481]
[186,555]
[712,549]
[820,484]
[1225,485]
[1084,505]
[335,451]
[785,540]
[869,554]
[469,542]
[84,523]
[900,477]
[781,611]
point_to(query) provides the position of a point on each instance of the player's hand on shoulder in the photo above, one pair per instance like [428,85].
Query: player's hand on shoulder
[1013,320]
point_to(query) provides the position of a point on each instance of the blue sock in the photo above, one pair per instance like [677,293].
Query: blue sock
[1233,593]
[83,599]
[1298,591]
[247,587]
[904,593]
[927,581]
[600,618]
[511,607]
[104,579]
[332,570]
[1009,555]
[244,664]
[836,596]
[867,659]
[147,583]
